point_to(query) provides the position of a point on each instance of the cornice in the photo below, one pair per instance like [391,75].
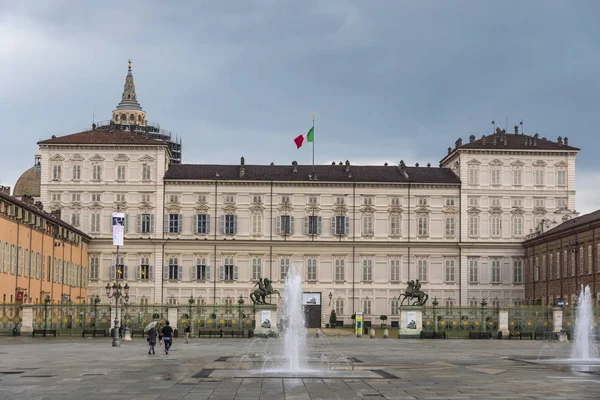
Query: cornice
[211,183]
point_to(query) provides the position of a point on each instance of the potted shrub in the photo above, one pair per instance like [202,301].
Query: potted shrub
[383,318]
[332,319]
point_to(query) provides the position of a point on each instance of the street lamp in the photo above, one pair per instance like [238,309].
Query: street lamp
[435,303]
[191,302]
[117,291]
[330,297]
[47,301]
[483,305]
[241,316]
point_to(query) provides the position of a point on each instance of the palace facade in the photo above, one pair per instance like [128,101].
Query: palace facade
[359,233]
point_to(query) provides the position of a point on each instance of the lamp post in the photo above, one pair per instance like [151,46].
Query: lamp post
[96,300]
[126,333]
[117,291]
[330,297]
[435,303]
[483,305]
[241,316]
[47,301]
[191,303]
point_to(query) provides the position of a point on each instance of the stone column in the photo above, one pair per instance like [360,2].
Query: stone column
[503,323]
[27,321]
[557,319]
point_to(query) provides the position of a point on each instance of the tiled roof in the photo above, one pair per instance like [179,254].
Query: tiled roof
[511,141]
[43,214]
[572,224]
[102,136]
[325,173]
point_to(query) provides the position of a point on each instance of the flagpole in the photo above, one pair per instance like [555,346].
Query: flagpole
[313,167]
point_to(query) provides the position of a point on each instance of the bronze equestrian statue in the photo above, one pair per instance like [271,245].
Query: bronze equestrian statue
[265,288]
[413,292]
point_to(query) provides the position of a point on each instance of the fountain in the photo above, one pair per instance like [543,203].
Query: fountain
[294,335]
[583,347]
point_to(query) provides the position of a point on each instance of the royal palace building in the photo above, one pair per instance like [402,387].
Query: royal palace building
[359,232]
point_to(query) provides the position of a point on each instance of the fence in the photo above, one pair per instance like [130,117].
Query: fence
[215,316]
[459,321]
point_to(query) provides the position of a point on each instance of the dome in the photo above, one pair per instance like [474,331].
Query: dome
[29,182]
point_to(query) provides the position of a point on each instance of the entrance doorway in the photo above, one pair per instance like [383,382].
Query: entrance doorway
[311,305]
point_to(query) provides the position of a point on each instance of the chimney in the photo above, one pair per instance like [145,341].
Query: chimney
[347,166]
[56,214]
[516,129]
[537,135]
[428,165]
[417,164]
[535,140]
[484,140]
[402,166]
[449,150]
[385,164]
[566,141]
[333,163]
[242,167]
[494,140]
[559,140]
[39,205]
[458,142]
[471,138]
[294,166]
[5,190]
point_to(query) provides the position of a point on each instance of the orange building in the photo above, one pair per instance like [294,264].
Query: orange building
[40,255]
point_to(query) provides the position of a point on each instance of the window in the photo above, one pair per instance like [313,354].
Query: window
[561,177]
[423,225]
[120,197]
[340,225]
[76,172]
[450,226]
[565,266]
[284,267]
[518,271]
[422,269]
[145,270]
[495,202]
[202,223]
[394,307]
[473,176]
[75,221]
[517,226]
[96,197]
[173,270]
[312,200]
[517,177]
[367,201]
[557,265]
[395,225]
[121,173]
[473,201]
[367,270]
[146,223]
[496,277]
[229,224]
[13,262]
[312,225]
[284,225]
[395,270]
[229,199]
[256,268]
[95,222]
[536,273]
[496,176]
[368,225]
[56,172]
[202,198]
[339,270]
[539,177]
[96,172]
[539,203]
[473,270]
[200,271]
[422,201]
[449,269]
[496,225]
[561,204]
[367,306]
[450,202]
[257,199]
[340,201]
[146,172]
[257,221]
[395,201]
[285,200]
[76,197]
[174,198]
[311,269]
[174,223]
[339,306]
[517,203]
[56,196]
[449,302]
[473,225]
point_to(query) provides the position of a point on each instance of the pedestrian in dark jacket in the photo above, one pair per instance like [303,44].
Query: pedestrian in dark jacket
[152,334]
[167,333]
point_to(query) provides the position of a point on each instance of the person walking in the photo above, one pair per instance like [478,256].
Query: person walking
[152,333]
[187,331]
[160,335]
[167,333]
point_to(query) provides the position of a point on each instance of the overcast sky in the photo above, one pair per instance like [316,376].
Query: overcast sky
[386,80]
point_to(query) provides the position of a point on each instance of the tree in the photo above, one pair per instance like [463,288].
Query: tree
[383,318]
[332,319]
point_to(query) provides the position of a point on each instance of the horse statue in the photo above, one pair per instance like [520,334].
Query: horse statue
[413,292]
[265,288]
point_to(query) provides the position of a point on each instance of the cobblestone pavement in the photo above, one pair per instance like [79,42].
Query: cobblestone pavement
[60,368]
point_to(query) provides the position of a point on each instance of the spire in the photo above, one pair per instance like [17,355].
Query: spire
[129,110]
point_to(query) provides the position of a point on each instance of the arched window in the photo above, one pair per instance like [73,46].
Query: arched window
[123,117]
[132,117]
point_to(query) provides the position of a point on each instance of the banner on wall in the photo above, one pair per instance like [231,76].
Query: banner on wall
[20,296]
[118,228]
[311,299]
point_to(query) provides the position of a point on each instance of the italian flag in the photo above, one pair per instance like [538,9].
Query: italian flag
[310,137]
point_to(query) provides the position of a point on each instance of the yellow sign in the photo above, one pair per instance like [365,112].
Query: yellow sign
[358,327]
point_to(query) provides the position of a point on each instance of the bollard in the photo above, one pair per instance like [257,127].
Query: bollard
[386,333]
[318,333]
[372,333]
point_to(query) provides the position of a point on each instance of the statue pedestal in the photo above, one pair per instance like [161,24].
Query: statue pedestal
[411,322]
[267,319]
